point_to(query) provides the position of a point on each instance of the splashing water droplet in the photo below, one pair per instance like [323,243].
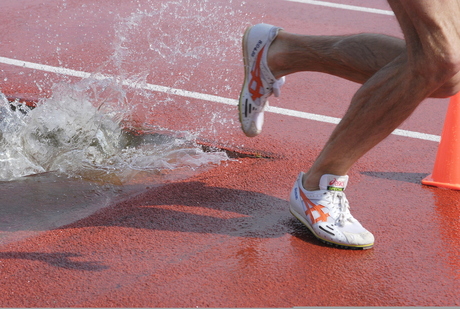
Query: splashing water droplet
[80,130]
[78,133]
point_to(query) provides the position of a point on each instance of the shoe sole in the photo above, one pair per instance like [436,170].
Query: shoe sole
[246,76]
[328,242]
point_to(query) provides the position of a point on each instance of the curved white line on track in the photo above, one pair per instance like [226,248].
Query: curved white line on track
[345,7]
[199,96]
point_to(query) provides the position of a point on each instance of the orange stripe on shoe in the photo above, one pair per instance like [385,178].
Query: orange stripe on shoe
[313,207]
[255,85]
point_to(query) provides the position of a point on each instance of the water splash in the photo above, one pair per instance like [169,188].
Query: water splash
[80,128]
[79,132]
[191,45]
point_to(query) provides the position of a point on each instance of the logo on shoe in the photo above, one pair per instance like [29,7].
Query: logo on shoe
[336,185]
[313,211]
[256,88]
[256,48]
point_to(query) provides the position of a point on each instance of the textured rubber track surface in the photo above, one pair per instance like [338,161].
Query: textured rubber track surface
[224,236]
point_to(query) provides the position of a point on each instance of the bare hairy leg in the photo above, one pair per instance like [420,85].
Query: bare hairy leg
[353,57]
[387,98]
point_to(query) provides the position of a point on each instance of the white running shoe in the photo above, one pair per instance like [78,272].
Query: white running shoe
[326,213]
[259,82]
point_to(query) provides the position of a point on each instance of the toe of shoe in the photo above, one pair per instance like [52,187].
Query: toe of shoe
[362,239]
[251,130]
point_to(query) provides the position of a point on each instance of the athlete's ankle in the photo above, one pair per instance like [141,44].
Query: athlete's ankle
[310,183]
[275,60]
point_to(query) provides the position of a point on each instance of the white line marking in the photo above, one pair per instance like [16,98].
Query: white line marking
[345,7]
[200,96]
[334,120]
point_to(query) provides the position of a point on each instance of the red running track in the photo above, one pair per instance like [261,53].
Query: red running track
[222,237]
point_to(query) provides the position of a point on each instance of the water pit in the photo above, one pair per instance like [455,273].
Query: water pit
[76,152]
[60,162]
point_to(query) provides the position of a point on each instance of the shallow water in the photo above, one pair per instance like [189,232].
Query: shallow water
[70,135]
[80,128]
[78,151]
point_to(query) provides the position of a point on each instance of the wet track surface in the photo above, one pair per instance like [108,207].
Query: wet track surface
[218,233]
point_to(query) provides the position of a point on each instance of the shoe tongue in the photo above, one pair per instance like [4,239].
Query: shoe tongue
[333,182]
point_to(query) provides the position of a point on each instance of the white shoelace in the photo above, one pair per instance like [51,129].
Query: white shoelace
[340,203]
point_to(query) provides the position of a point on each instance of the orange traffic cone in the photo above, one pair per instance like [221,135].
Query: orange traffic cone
[446,171]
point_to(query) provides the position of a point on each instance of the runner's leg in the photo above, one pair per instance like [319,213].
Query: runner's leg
[387,98]
[353,57]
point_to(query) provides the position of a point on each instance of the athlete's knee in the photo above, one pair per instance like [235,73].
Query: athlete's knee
[432,41]
[448,89]
[447,73]
[441,72]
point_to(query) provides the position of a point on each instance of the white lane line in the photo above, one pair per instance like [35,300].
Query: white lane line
[345,7]
[200,96]
[334,120]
